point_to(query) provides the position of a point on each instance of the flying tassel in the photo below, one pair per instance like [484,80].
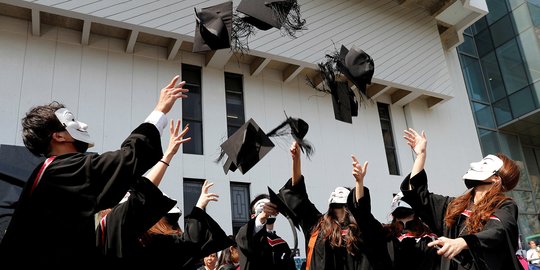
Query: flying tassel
[242,31]
[297,128]
[287,13]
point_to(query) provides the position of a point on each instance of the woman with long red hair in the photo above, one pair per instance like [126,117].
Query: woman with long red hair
[479,228]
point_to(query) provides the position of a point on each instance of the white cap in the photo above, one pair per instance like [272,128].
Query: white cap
[76,129]
[339,195]
[483,169]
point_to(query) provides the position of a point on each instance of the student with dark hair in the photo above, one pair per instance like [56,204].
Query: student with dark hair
[229,259]
[53,224]
[408,237]
[143,229]
[209,262]
[347,236]
[479,228]
[260,247]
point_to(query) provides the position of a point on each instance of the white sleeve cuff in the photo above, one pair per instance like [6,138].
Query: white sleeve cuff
[258,226]
[159,119]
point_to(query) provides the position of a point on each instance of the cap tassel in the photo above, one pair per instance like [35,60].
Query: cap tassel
[284,129]
[241,32]
[287,13]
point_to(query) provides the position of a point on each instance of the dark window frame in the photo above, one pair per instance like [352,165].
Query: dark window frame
[187,205]
[237,223]
[188,119]
[389,148]
[228,91]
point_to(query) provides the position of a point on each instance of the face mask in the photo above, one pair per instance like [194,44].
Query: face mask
[474,183]
[270,220]
[81,147]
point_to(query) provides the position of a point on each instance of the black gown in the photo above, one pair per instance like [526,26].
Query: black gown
[412,253]
[55,225]
[119,233]
[263,250]
[372,247]
[488,249]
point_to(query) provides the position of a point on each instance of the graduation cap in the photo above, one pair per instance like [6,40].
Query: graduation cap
[298,129]
[343,102]
[247,146]
[265,14]
[357,66]
[213,27]
[282,207]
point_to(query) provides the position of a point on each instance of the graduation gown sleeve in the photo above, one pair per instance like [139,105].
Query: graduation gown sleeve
[429,206]
[297,200]
[119,231]
[372,230]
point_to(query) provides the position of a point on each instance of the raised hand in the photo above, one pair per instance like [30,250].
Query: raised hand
[359,171]
[296,166]
[175,140]
[206,197]
[169,94]
[269,210]
[416,141]
[448,247]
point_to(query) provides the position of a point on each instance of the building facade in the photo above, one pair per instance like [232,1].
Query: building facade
[107,61]
[500,58]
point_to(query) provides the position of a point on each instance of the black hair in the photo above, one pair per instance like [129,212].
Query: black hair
[226,257]
[38,126]
[257,198]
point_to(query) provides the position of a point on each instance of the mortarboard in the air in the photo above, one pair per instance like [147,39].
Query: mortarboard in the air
[357,66]
[213,27]
[265,14]
[341,101]
[297,128]
[247,146]
[282,207]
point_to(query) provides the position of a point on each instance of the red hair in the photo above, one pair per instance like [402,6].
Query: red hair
[492,200]
[331,231]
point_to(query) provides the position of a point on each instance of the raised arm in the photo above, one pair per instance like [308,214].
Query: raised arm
[296,164]
[418,143]
[176,139]
[206,197]
[359,171]
[169,94]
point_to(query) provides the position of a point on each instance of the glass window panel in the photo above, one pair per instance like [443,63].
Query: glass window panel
[192,107]
[532,169]
[239,204]
[513,4]
[536,92]
[488,141]
[469,30]
[191,74]
[528,42]
[497,9]
[522,102]
[468,46]
[192,191]
[473,79]
[493,77]
[195,145]
[528,225]
[535,181]
[512,67]
[502,111]
[484,42]
[484,115]
[234,101]
[231,130]
[534,10]
[480,25]
[521,18]
[511,146]
[391,158]
[233,82]
[501,31]
[524,200]
[388,138]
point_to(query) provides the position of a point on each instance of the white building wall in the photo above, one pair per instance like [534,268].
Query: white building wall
[113,92]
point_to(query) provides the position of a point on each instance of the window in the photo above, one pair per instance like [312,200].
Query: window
[234,96]
[239,205]
[192,191]
[388,138]
[192,109]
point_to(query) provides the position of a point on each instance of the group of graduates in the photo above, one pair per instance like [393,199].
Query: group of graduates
[87,210]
